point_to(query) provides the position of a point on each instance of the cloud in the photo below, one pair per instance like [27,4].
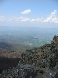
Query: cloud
[25,19]
[26,11]
[2,18]
[55,20]
[13,19]
[37,20]
[52,17]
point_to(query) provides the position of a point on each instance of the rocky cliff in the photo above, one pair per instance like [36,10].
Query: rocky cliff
[43,61]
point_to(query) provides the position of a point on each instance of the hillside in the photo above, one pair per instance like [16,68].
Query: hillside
[5,45]
[41,62]
[9,54]
[13,47]
[8,59]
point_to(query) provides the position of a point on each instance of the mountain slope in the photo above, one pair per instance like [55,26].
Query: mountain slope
[44,58]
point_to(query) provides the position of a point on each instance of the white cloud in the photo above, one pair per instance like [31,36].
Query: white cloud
[53,14]
[9,19]
[52,17]
[25,19]
[55,20]
[37,20]
[2,18]
[13,19]
[26,11]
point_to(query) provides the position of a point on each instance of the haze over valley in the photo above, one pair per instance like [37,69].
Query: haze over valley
[25,37]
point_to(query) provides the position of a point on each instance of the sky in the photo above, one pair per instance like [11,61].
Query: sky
[43,14]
